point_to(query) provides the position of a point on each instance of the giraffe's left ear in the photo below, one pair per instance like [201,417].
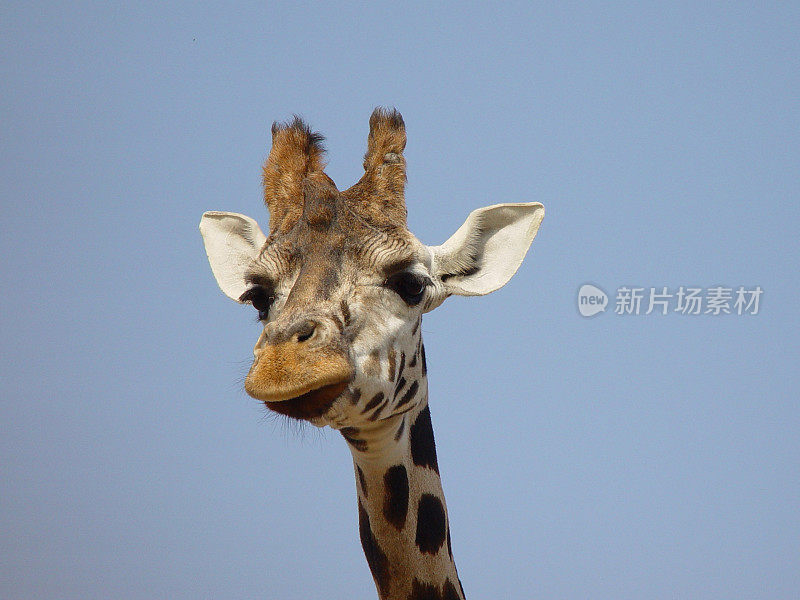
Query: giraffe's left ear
[487,249]
[232,242]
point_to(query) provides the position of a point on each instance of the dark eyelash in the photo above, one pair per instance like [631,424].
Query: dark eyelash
[260,298]
[409,286]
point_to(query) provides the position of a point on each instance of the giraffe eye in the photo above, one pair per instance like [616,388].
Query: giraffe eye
[409,286]
[260,298]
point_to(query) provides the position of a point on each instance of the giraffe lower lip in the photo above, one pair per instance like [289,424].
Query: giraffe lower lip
[310,405]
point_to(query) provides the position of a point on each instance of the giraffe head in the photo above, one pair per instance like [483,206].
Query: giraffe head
[340,283]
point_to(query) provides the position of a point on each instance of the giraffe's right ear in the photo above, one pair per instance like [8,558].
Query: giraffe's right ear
[232,242]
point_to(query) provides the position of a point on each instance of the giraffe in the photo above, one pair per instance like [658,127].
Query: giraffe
[340,286]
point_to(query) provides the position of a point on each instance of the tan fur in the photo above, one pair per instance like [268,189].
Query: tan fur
[296,153]
[287,370]
[380,194]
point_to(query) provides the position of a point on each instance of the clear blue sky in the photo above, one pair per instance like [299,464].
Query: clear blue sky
[615,457]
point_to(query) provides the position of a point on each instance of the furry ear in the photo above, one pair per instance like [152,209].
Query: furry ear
[487,249]
[232,242]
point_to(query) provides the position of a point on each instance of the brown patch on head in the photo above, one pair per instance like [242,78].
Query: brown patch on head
[319,204]
[313,243]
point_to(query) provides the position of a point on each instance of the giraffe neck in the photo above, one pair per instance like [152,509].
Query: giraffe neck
[402,513]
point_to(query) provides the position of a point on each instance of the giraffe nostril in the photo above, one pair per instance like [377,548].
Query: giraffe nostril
[306,330]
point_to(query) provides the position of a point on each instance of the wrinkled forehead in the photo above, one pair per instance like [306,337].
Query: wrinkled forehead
[330,235]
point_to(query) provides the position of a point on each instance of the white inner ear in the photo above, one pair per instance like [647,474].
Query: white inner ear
[232,241]
[487,249]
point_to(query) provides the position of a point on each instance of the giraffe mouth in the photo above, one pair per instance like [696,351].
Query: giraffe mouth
[310,405]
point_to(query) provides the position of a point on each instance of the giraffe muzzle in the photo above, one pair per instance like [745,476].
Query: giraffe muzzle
[302,374]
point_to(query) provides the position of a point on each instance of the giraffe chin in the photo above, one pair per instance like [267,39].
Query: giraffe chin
[311,405]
